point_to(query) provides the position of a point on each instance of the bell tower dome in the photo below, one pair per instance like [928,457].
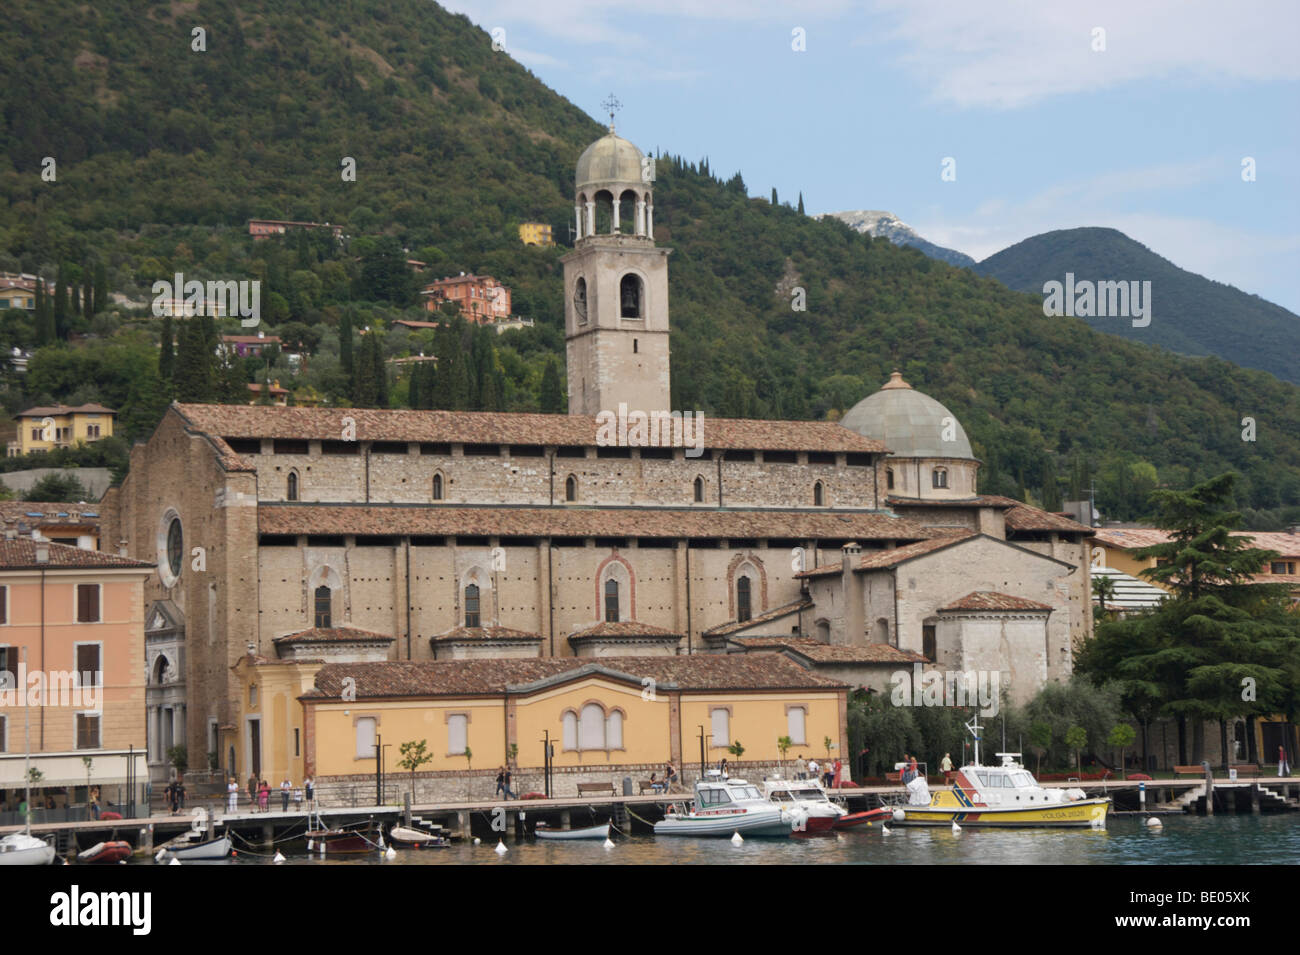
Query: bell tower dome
[615,285]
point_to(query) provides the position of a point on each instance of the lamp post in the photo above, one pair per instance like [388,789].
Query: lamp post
[702,758]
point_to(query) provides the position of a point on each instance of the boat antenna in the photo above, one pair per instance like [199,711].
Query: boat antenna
[1004,732]
[974,728]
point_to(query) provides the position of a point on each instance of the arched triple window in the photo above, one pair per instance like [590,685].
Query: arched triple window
[437,487]
[743,612]
[571,488]
[611,601]
[323,615]
[819,495]
[940,477]
[472,616]
[592,728]
[699,490]
[291,491]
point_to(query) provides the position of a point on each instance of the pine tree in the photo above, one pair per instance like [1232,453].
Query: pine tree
[552,396]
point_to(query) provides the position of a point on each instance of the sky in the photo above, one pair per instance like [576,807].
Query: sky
[1055,114]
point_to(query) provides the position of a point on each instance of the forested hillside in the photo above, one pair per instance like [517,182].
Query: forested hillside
[163,153]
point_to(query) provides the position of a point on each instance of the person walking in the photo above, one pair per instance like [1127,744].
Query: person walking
[1283,769]
[813,769]
[670,777]
[264,796]
[310,788]
[501,781]
[286,788]
[297,799]
[946,764]
[835,774]
[252,793]
[94,803]
[232,796]
[180,793]
[801,768]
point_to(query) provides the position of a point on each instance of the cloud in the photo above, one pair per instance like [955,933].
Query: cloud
[1011,54]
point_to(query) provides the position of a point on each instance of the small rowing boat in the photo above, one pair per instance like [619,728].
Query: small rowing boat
[590,832]
[883,814]
[105,853]
[217,848]
[404,837]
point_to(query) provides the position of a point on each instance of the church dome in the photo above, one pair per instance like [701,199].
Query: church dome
[609,159]
[910,423]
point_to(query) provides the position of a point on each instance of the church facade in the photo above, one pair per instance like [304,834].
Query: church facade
[353,536]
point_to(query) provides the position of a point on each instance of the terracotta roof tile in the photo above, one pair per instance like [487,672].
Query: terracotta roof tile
[20,554]
[624,628]
[980,500]
[872,653]
[776,613]
[568,521]
[484,635]
[884,559]
[1132,538]
[38,514]
[492,677]
[479,427]
[53,410]
[1022,517]
[991,600]
[334,635]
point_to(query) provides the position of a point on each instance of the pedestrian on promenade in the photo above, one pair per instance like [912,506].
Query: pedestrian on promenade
[946,763]
[308,785]
[286,788]
[252,793]
[670,777]
[501,781]
[722,767]
[94,803]
[1283,769]
[297,799]
[509,792]
[169,794]
[835,775]
[801,768]
[232,796]
[180,793]
[264,796]
[828,776]
[906,776]
[813,769]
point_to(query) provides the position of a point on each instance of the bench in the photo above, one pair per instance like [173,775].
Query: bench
[1249,770]
[596,789]
[1189,770]
[649,787]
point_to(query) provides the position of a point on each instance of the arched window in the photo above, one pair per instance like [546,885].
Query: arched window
[940,477]
[889,478]
[291,492]
[471,606]
[570,730]
[699,490]
[437,487]
[818,495]
[323,615]
[580,300]
[742,599]
[627,219]
[591,727]
[634,348]
[630,297]
[571,488]
[614,730]
[611,601]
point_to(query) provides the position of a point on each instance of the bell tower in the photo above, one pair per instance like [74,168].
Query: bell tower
[615,285]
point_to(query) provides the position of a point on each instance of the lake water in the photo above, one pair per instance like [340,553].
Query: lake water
[1224,840]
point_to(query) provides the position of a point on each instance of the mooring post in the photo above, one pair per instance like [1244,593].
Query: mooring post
[462,820]
[1254,799]
[406,809]
[1209,788]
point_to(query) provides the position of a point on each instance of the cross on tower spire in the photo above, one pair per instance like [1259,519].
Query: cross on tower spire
[613,105]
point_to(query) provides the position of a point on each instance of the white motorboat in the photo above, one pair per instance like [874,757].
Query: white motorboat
[811,809]
[22,848]
[542,831]
[723,807]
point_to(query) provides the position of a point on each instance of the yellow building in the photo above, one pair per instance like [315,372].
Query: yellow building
[535,233]
[59,426]
[628,716]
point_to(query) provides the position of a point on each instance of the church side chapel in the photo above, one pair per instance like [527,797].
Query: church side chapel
[446,542]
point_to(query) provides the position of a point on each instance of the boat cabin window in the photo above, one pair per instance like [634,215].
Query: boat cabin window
[713,797]
[1024,779]
[983,778]
[745,792]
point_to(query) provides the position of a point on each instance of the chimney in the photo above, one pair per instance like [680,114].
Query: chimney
[42,552]
[851,589]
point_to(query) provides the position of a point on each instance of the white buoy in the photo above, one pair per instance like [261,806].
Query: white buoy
[609,843]
[477,840]
[311,845]
[899,815]
[175,861]
[501,848]
[1154,823]
[158,856]
[279,857]
[736,839]
[955,828]
[390,854]
[885,830]
[381,840]
[322,847]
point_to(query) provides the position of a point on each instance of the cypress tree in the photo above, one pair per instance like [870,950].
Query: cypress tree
[44,318]
[552,397]
[774,200]
[192,374]
[345,342]
[101,287]
[379,370]
[60,303]
[801,202]
[413,389]
[365,384]
[87,296]
[167,355]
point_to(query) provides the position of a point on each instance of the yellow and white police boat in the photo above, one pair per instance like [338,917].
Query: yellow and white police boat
[1005,796]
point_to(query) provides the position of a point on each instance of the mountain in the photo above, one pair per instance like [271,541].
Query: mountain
[163,154]
[1190,314]
[886,225]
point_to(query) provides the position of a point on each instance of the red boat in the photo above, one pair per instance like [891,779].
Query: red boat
[339,841]
[105,853]
[858,818]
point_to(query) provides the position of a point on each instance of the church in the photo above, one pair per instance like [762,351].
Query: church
[428,553]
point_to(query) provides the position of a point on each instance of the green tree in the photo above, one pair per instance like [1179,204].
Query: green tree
[1076,737]
[801,202]
[167,353]
[736,750]
[1040,740]
[783,744]
[553,400]
[345,343]
[414,755]
[61,302]
[101,287]
[1122,736]
[56,488]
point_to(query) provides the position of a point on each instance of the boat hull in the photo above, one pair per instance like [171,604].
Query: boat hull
[22,849]
[883,814]
[1080,814]
[751,823]
[591,832]
[341,841]
[403,838]
[105,853]
[212,849]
